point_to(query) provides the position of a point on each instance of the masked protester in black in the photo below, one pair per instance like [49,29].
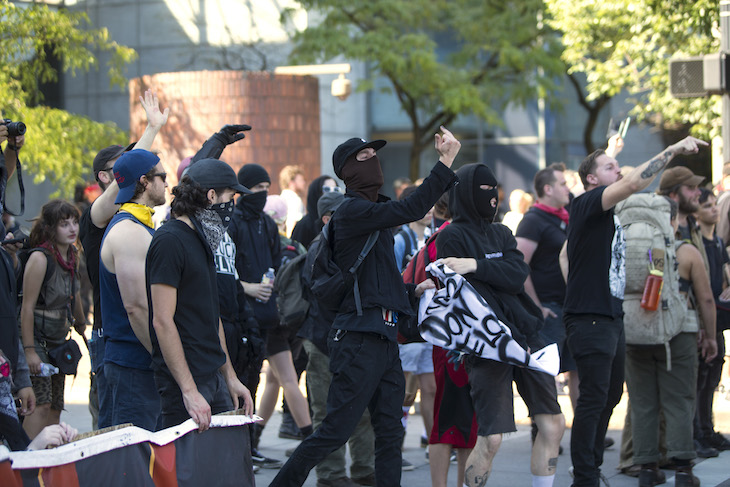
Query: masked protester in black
[309,226]
[486,254]
[364,360]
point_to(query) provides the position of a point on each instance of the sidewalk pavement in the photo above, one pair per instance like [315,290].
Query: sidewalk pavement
[511,465]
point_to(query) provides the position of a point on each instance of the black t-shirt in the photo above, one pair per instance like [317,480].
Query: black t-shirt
[179,257]
[716,258]
[91,236]
[549,232]
[597,256]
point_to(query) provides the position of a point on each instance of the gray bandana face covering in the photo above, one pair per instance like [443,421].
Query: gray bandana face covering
[213,227]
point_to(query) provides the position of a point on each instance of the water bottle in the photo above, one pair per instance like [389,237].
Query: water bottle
[267,278]
[652,290]
[47,370]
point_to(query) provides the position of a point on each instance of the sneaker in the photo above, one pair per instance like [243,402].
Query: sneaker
[264,462]
[704,450]
[608,442]
[368,480]
[256,469]
[424,442]
[407,466]
[341,482]
[453,458]
[718,441]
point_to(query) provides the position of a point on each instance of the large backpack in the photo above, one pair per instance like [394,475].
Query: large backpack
[290,301]
[646,222]
[329,283]
[415,273]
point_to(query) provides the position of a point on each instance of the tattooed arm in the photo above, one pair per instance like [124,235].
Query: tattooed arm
[641,177]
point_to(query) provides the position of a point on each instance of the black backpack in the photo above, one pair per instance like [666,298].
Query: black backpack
[329,283]
[290,301]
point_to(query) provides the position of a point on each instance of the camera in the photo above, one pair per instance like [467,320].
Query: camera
[14,128]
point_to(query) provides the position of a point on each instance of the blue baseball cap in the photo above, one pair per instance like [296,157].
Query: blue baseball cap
[129,168]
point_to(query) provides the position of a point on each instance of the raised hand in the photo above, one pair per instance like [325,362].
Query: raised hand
[151,105]
[689,145]
[234,133]
[447,146]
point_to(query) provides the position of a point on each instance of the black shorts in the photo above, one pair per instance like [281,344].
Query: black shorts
[491,391]
[280,339]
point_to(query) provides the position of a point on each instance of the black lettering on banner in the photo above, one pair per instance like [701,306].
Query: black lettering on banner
[453,321]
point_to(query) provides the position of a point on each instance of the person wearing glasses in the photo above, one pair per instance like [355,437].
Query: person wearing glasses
[92,226]
[131,392]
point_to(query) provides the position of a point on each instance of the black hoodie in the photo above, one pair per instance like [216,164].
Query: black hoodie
[310,225]
[501,268]
[257,248]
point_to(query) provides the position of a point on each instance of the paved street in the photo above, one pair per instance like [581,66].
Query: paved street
[512,464]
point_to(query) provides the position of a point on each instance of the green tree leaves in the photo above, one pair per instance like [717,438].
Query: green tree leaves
[59,145]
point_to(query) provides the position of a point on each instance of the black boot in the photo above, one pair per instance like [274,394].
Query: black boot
[288,428]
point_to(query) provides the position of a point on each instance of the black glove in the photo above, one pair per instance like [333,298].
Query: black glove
[213,147]
[234,133]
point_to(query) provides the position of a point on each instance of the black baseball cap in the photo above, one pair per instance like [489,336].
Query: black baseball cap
[350,147]
[215,174]
[109,154]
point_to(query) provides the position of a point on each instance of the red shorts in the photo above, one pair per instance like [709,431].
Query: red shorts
[454,420]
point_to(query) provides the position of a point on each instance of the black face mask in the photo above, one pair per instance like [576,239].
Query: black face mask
[224,211]
[486,201]
[364,177]
[256,201]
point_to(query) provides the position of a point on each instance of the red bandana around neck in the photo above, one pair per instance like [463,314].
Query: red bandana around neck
[561,213]
[67,265]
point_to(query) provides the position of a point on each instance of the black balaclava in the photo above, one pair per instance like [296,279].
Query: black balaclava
[363,177]
[249,176]
[486,201]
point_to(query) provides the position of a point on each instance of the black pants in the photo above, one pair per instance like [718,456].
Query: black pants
[708,378]
[366,372]
[598,347]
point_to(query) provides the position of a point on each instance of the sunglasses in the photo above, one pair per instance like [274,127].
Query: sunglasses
[331,189]
[161,175]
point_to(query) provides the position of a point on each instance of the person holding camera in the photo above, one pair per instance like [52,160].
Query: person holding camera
[10,268]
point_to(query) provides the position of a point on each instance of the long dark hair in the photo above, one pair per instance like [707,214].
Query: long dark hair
[44,226]
[190,197]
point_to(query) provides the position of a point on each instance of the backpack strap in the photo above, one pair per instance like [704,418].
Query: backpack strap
[372,238]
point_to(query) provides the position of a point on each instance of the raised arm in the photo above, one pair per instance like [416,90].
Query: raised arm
[641,177]
[104,208]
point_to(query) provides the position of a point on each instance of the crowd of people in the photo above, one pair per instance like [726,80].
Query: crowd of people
[187,308]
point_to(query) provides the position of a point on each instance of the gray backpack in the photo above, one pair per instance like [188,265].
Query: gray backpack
[646,222]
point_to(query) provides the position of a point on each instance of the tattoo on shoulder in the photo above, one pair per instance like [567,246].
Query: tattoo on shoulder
[473,480]
[656,165]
